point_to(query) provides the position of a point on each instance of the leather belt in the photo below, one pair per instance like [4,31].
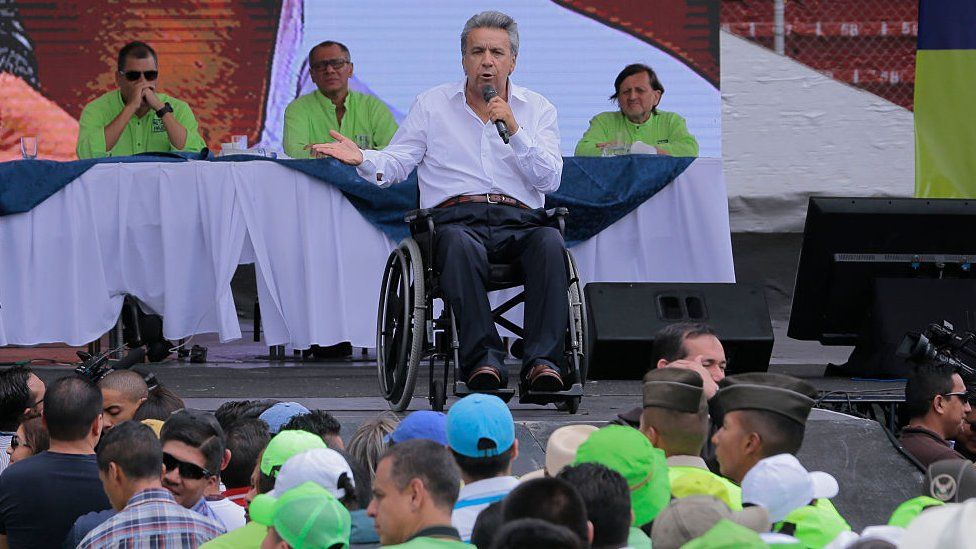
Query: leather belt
[502,199]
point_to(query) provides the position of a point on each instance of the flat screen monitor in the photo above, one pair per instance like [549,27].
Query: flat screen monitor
[850,243]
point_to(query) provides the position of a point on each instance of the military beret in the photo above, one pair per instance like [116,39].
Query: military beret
[776,393]
[772,379]
[673,389]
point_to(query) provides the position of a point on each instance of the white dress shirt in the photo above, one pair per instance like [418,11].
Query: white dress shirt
[455,153]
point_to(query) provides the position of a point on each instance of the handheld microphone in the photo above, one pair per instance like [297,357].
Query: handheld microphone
[489,92]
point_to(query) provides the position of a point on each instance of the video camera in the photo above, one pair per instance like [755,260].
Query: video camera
[95,367]
[942,343]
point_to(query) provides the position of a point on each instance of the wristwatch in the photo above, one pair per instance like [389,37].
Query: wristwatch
[166,108]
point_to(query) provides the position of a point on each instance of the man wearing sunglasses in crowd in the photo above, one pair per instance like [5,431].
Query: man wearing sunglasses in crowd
[194,452]
[333,106]
[937,404]
[136,118]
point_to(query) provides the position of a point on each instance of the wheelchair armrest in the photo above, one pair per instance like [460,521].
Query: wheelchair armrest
[417,215]
[559,215]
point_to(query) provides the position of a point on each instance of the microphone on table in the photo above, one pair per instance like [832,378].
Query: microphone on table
[489,92]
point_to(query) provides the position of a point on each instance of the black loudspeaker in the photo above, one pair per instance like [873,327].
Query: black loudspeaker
[623,318]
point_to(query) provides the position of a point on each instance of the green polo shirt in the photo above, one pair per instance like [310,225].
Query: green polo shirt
[664,130]
[424,542]
[248,536]
[308,119]
[710,485]
[815,525]
[146,134]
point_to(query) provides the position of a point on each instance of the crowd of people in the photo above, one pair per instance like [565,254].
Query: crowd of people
[706,461]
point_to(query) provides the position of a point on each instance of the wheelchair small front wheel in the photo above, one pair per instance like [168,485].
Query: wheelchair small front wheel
[570,405]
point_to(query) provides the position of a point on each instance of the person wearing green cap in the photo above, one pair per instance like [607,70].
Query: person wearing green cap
[283,446]
[628,452]
[414,491]
[306,517]
[675,419]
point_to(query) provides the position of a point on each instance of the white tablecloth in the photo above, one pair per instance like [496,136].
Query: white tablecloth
[172,234]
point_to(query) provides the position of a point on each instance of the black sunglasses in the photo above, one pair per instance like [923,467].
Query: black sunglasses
[188,470]
[132,76]
[962,395]
[15,442]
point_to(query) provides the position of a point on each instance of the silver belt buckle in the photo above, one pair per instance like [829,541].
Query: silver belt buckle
[490,201]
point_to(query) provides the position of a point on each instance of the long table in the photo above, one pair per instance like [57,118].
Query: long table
[172,235]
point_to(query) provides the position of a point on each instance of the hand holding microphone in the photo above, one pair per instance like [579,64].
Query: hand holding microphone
[500,113]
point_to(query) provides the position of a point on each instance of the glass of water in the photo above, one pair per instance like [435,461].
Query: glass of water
[239,141]
[28,147]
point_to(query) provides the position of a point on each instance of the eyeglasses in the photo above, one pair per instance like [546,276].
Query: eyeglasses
[320,66]
[962,395]
[132,76]
[15,442]
[188,470]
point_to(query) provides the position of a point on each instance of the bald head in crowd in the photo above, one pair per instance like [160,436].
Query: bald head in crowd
[122,393]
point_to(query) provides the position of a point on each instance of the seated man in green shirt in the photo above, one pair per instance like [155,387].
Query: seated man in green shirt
[135,118]
[360,117]
[637,92]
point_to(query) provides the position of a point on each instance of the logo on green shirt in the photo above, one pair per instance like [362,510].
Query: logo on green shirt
[157,125]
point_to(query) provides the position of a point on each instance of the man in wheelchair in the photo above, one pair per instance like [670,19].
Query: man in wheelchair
[486,184]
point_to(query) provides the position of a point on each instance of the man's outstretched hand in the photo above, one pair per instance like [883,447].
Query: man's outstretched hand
[342,149]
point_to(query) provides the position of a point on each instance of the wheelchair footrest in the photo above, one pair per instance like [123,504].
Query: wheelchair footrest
[461,390]
[527,396]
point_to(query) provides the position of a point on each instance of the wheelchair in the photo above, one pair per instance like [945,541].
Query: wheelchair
[407,332]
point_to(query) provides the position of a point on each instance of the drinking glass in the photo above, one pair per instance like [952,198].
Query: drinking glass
[28,147]
[240,142]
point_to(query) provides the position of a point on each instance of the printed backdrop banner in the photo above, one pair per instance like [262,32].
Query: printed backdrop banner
[239,63]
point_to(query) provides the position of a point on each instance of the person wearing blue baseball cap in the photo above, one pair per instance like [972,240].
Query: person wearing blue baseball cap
[481,435]
[280,414]
[425,424]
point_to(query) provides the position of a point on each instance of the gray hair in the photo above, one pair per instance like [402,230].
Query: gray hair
[492,20]
[369,441]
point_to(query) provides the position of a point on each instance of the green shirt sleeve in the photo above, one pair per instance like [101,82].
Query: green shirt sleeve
[384,126]
[680,142]
[184,115]
[598,132]
[91,132]
[297,132]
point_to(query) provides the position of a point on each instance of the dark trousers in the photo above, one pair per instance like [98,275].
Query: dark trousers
[468,238]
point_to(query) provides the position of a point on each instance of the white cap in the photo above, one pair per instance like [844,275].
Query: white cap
[949,525]
[322,466]
[781,484]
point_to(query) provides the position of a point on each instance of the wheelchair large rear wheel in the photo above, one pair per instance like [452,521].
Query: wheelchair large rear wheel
[578,320]
[576,335]
[400,325]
